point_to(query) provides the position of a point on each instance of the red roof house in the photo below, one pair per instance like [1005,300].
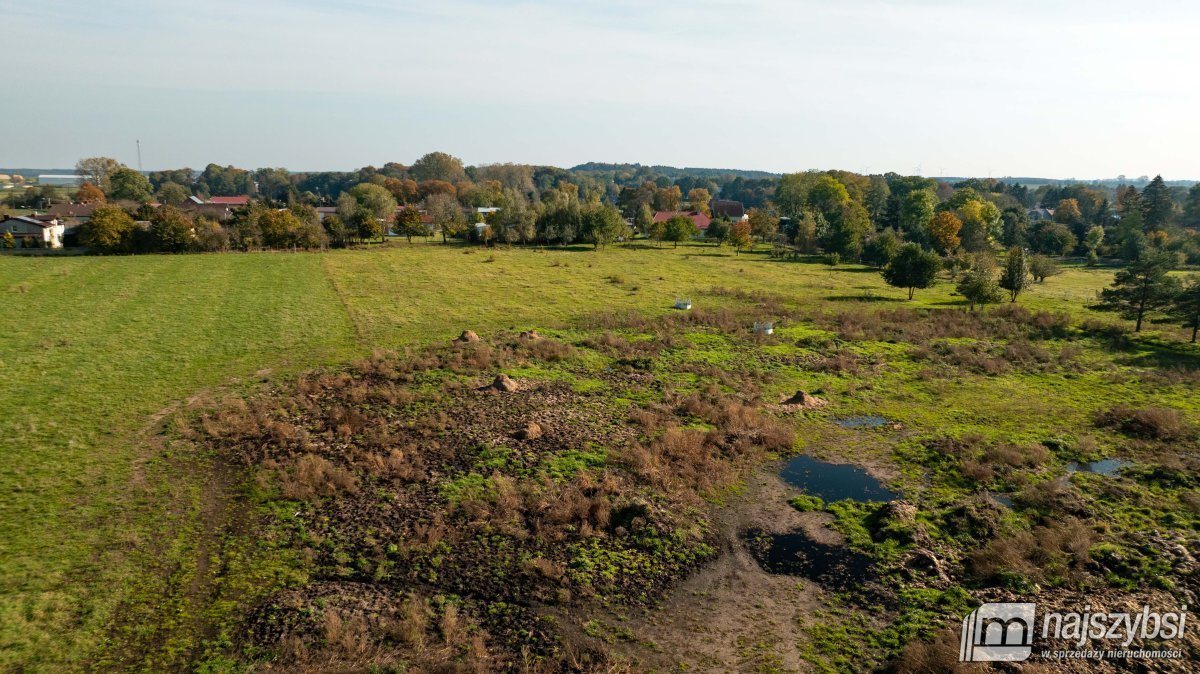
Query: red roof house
[697,217]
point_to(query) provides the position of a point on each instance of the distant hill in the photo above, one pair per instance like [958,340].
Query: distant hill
[1139,182]
[672,171]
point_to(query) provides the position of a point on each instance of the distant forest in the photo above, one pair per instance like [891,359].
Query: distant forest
[842,213]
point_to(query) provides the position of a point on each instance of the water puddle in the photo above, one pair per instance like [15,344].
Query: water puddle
[1107,467]
[869,421]
[795,554]
[834,481]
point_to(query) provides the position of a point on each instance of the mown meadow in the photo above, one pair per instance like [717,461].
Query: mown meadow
[99,515]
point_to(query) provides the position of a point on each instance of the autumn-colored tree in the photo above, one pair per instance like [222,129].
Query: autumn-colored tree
[438,166]
[430,187]
[740,235]
[447,214]
[96,170]
[107,230]
[89,194]
[763,223]
[699,198]
[408,223]
[668,198]
[943,231]
[1067,212]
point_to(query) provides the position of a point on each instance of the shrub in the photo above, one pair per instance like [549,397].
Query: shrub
[1155,423]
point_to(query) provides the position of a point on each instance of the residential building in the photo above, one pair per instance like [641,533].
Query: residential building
[33,231]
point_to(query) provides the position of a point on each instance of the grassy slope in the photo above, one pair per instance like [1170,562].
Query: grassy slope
[95,346]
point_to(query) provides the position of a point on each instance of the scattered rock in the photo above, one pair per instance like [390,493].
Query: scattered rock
[899,511]
[532,431]
[804,400]
[468,336]
[924,561]
[504,383]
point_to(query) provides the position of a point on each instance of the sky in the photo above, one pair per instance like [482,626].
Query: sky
[1066,89]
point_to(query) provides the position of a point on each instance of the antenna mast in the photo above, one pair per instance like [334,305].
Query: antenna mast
[139,148]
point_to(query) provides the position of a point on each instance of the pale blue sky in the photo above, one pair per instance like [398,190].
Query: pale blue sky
[1024,87]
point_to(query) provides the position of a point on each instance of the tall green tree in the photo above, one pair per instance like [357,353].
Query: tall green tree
[171,230]
[643,219]
[881,248]
[126,183]
[718,230]
[1185,306]
[1157,205]
[1144,287]
[680,228]
[1015,278]
[602,224]
[916,212]
[913,268]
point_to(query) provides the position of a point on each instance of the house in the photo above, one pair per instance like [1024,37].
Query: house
[33,231]
[1039,214]
[220,208]
[72,213]
[235,202]
[734,210]
[697,217]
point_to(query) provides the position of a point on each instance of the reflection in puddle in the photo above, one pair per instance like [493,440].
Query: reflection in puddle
[795,554]
[1102,467]
[870,421]
[834,481]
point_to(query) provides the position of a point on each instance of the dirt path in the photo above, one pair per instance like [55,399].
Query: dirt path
[732,616]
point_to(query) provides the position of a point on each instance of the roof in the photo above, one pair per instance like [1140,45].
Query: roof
[734,210]
[697,217]
[72,210]
[230,201]
[31,220]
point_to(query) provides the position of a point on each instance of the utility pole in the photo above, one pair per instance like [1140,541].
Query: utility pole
[139,148]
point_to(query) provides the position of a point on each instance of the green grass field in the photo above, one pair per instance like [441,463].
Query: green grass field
[95,348]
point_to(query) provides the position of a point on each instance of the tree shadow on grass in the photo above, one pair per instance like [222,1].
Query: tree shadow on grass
[865,298]
[1161,355]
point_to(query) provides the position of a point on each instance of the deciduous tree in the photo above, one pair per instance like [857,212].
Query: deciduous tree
[740,236]
[912,268]
[89,194]
[763,223]
[943,232]
[978,285]
[680,228]
[408,223]
[107,230]
[126,183]
[699,199]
